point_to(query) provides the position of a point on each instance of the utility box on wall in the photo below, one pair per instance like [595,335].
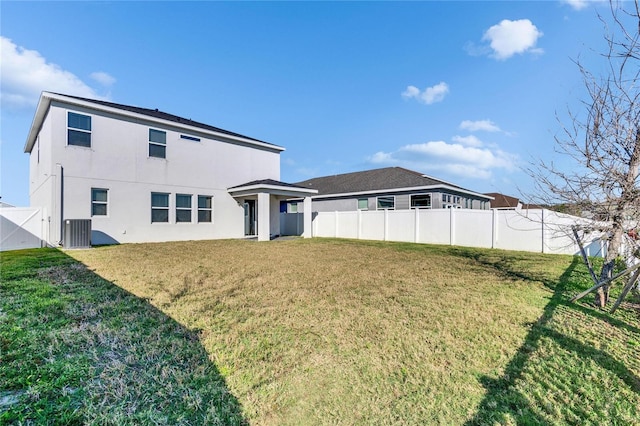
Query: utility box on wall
[77,233]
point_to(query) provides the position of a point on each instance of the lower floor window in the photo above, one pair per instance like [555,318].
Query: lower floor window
[421,201]
[99,199]
[183,208]
[205,208]
[159,207]
[386,203]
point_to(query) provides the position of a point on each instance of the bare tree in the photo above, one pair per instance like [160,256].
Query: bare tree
[603,140]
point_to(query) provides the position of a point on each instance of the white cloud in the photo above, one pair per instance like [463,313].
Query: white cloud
[480,125]
[411,92]
[580,4]
[430,95]
[288,161]
[513,37]
[451,158]
[25,74]
[103,78]
[576,4]
[467,140]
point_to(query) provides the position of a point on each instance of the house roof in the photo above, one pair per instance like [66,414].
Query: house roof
[153,114]
[272,182]
[378,180]
[501,201]
[271,186]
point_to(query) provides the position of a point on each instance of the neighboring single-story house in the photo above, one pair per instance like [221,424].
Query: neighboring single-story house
[142,175]
[387,188]
[507,202]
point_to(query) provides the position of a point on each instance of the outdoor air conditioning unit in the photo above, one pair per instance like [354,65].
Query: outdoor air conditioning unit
[77,233]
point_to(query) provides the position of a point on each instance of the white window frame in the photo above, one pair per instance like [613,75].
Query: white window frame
[385,208]
[182,209]
[205,209]
[421,207]
[156,143]
[79,129]
[96,202]
[167,208]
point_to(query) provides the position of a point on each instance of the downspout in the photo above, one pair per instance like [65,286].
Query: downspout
[60,173]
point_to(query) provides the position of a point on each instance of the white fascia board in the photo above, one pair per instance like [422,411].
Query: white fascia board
[254,189]
[39,117]
[41,112]
[406,189]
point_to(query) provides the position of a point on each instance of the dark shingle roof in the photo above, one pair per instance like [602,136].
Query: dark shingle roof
[502,201]
[371,180]
[164,116]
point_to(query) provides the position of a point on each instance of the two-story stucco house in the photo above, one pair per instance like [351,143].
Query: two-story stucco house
[142,175]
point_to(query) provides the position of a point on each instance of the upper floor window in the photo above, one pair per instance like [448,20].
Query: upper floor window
[78,129]
[363,204]
[205,207]
[157,143]
[421,201]
[183,207]
[99,198]
[388,202]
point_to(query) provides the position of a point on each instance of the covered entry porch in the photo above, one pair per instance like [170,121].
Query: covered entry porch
[261,206]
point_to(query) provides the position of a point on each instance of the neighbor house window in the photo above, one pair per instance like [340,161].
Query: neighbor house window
[204,208]
[159,207]
[157,143]
[421,201]
[78,129]
[293,207]
[183,207]
[385,203]
[363,204]
[99,199]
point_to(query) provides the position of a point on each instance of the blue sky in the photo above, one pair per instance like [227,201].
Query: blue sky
[468,92]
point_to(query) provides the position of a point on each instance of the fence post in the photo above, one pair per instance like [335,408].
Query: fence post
[452,228]
[385,236]
[542,229]
[335,229]
[416,226]
[494,228]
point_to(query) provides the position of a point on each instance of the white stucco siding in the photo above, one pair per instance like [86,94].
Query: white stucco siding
[118,161]
[44,182]
[128,216]
[120,151]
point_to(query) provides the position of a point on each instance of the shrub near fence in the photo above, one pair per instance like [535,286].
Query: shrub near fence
[541,231]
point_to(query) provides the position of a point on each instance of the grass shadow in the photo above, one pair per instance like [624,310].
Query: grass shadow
[536,368]
[77,349]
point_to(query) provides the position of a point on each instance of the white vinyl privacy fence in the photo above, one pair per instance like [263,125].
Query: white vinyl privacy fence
[541,231]
[22,228]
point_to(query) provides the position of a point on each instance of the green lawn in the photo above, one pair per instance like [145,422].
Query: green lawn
[316,331]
